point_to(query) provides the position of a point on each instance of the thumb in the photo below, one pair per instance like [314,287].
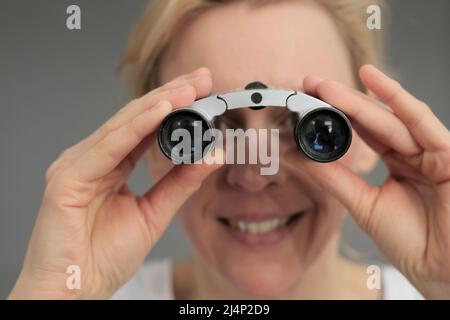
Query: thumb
[161,202]
[347,187]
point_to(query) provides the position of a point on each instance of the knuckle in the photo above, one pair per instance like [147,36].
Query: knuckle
[173,83]
[365,206]
[394,92]
[325,84]
[324,87]
[390,133]
[106,128]
[66,154]
[130,104]
[64,157]
[136,129]
[47,177]
[121,110]
[55,186]
[165,86]
[188,89]
[396,85]
[50,171]
[150,214]
[107,149]
[422,105]
[134,102]
[102,149]
[54,166]
[65,191]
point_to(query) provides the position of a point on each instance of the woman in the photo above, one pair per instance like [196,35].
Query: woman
[89,218]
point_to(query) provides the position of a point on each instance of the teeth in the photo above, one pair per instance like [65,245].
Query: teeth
[258,227]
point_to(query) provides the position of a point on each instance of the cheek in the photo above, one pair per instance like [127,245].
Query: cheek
[191,217]
[197,222]
[327,220]
[199,228]
[324,225]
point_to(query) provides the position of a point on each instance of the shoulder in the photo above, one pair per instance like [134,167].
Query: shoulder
[396,286]
[153,281]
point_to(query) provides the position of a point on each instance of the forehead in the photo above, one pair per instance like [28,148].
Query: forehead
[276,43]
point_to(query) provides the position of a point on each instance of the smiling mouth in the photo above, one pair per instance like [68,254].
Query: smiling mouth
[260,227]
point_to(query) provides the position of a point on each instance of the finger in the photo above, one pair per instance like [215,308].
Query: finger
[200,80]
[373,143]
[382,124]
[179,80]
[424,126]
[162,201]
[108,153]
[179,94]
[310,84]
[120,175]
[352,191]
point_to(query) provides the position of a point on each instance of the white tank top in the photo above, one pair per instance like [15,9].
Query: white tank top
[153,281]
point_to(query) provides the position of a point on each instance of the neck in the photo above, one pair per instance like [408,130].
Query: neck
[330,276]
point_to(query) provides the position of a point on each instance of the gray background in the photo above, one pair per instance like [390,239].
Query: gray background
[56,86]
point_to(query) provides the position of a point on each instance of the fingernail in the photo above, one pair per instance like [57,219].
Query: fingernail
[315,78]
[181,84]
[197,73]
[190,79]
[200,71]
[163,105]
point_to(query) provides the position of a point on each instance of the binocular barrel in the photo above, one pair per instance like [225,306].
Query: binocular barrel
[181,136]
[323,134]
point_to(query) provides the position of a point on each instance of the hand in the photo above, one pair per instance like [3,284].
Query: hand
[88,216]
[408,217]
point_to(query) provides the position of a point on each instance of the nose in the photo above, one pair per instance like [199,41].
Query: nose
[248,178]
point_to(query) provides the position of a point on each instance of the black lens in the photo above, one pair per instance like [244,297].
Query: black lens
[192,125]
[324,135]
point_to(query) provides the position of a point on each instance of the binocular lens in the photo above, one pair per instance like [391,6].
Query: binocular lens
[324,135]
[181,136]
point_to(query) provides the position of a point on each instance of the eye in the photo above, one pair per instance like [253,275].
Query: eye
[222,123]
[288,121]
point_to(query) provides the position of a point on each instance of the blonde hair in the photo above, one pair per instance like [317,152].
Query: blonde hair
[161,19]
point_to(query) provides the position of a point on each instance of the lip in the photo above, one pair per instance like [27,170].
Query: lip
[258,240]
[259,216]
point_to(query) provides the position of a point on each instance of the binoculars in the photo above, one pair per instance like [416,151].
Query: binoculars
[322,132]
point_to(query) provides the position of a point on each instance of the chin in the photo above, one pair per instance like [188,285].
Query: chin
[268,281]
